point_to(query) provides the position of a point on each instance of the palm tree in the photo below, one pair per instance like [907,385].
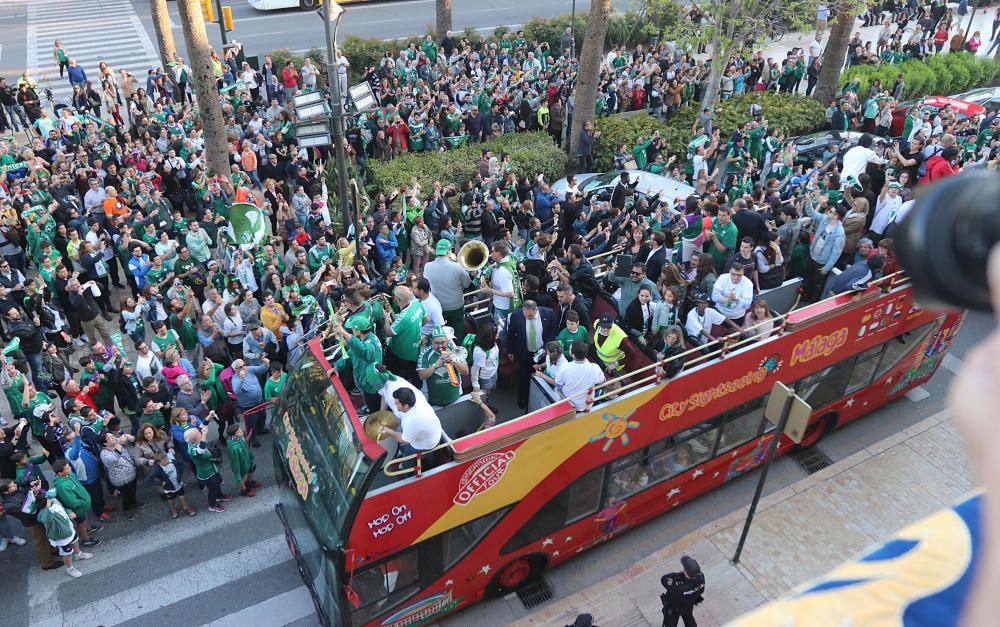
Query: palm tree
[206,89]
[164,34]
[591,55]
[442,18]
[833,56]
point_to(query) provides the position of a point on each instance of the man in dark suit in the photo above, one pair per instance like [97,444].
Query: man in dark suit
[658,256]
[622,190]
[530,327]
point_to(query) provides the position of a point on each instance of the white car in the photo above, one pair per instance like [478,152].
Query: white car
[649,184]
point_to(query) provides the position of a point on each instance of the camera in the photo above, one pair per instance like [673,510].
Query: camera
[945,240]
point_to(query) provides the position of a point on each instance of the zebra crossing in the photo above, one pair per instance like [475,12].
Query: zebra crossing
[227,570]
[92,31]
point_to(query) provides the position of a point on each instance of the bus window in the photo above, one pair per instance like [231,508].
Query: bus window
[580,499]
[460,540]
[383,585]
[900,346]
[742,424]
[864,368]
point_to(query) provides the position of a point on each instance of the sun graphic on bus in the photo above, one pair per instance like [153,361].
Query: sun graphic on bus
[617,428]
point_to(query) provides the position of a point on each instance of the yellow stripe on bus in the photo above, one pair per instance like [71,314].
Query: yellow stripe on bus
[538,456]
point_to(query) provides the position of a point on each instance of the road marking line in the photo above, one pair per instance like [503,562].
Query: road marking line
[917,394]
[155,539]
[149,596]
[383,21]
[951,363]
[283,609]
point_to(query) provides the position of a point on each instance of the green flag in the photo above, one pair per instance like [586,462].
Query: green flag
[247,225]
[236,85]
[116,338]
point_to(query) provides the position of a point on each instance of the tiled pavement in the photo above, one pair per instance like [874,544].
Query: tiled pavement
[798,533]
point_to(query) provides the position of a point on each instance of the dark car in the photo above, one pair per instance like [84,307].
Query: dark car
[810,148]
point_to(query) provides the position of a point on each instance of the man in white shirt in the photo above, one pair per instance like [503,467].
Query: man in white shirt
[578,376]
[501,281]
[815,48]
[733,293]
[887,208]
[420,427]
[432,307]
[856,159]
[701,319]
[95,195]
[342,65]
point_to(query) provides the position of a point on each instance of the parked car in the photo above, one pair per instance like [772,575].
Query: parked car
[649,184]
[964,108]
[812,147]
[986,97]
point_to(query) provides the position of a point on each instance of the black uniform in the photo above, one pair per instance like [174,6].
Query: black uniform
[682,594]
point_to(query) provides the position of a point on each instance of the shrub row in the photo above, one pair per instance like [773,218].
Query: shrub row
[939,75]
[791,113]
[531,154]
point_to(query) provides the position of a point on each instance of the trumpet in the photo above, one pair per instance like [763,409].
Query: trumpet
[473,255]
[386,302]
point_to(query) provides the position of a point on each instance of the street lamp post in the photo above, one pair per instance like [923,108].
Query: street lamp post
[572,30]
[332,12]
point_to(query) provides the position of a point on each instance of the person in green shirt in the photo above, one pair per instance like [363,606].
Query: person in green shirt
[241,460]
[722,237]
[205,466]
[572,333]
[91,370]
[275,381]
[75,498]
[404,335]
[151,412]
[363,349]
[163,338]
[639,152]
[14,385]
[442,364]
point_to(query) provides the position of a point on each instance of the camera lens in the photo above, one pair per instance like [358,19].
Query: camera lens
[945,241]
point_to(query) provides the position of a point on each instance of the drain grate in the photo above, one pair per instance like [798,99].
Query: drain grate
[812,460]
[535,594]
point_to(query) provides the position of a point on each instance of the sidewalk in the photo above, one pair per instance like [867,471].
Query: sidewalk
[798,533]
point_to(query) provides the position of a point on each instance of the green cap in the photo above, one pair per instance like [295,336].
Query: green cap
[361,323]
[443,247]
[438,332]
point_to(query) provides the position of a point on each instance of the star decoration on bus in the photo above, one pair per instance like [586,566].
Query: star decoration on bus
[485,569]
[450,582]
[673,492]
[617,427]
[697,473]
[546,541]
[569,539]
[889,381]
[849,403]
[555,553]
[715,475]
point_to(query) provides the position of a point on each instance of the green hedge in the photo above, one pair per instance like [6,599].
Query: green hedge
[282,56]
[531,153]
[939,75]
[790,113]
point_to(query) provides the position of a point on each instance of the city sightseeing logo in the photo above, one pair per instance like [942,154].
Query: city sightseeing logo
[481,476]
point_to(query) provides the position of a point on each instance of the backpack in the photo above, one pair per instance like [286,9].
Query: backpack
[226,378]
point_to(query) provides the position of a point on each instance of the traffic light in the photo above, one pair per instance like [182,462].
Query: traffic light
[207,10]
[227,18]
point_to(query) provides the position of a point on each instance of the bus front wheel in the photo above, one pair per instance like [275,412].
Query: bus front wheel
[516,575]
[816,431]
[309,4]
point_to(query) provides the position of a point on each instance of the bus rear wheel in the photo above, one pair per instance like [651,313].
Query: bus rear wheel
[816,431]
[516,575]
[308,4]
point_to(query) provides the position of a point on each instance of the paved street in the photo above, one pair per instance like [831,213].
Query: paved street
[235,569]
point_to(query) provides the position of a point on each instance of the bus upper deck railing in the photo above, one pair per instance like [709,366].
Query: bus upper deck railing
[654,373]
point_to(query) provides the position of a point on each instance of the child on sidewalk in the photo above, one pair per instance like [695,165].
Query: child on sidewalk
[60,531]
[168,474]
[241,460]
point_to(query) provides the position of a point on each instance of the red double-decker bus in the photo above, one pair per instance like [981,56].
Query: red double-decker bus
[511,501]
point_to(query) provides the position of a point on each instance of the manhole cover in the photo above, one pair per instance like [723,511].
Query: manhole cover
[533,595]
[812,460]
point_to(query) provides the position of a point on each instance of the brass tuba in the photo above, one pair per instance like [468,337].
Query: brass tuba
[473,255]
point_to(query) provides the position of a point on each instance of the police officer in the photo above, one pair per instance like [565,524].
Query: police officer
[684,591]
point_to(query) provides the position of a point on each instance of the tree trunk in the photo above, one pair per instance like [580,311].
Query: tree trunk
[715,78]
[833,58]
[591,55]
[164,34]
[205,88]
[996,79]
[442,18]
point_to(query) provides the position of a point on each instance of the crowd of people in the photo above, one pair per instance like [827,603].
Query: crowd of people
[143,344]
